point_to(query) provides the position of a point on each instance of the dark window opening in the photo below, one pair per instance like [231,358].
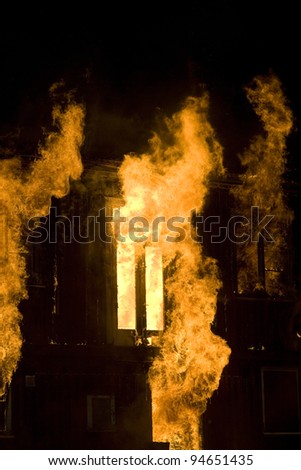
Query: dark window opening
[101,413]
[5,413]
[280,401]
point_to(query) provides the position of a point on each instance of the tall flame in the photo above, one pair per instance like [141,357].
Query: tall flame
[171,181]
[262,185]
[23,196]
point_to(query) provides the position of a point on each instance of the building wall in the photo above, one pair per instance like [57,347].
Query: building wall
[78,386]
[257,405]
[76,364]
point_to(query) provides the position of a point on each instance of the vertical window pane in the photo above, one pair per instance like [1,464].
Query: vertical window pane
[126,286]
[154,288]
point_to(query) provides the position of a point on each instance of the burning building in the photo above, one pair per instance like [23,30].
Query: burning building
[159,313]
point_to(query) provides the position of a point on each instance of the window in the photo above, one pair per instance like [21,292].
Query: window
[280,401]
[5,413]
[139,288]
[126,286]
[2,414]
[100,413]
[154,288]
[30,381]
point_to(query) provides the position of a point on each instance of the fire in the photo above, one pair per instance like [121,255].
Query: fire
[126,286]
[23,196]
[154,288]
[171,181]
[262,187]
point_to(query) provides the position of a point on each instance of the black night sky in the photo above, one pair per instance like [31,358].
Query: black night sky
[130,64]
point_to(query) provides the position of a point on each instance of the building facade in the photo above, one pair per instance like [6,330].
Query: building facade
[82,380]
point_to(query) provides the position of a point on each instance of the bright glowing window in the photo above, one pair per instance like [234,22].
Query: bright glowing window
[126,298]
[132,303]
[154,288]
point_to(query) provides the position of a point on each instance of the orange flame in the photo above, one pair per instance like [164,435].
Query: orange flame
[24,196]
[262,184]
[172,181]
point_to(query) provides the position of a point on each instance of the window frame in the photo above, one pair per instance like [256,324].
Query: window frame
[263,400]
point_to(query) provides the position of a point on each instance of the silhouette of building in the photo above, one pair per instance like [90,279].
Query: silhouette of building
[82,381]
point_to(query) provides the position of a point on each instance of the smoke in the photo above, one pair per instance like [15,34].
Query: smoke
[172,180]
[24,195]
[262,183]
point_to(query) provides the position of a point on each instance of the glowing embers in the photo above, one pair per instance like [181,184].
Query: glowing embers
[139,288]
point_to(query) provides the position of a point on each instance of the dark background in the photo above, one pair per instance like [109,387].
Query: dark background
[132,63]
